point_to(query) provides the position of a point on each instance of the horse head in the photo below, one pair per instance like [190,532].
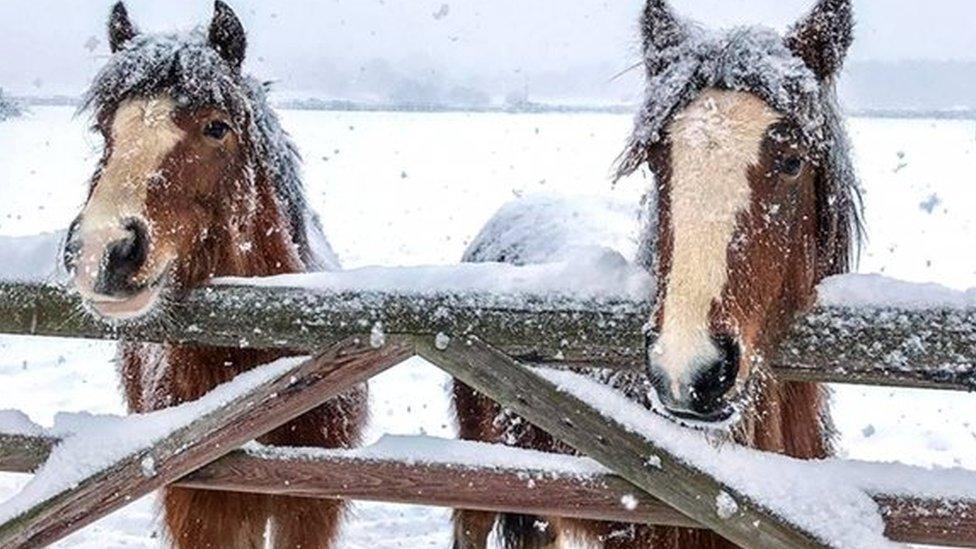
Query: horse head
[756,201]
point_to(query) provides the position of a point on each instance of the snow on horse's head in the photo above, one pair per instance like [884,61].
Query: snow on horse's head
[197,178]
[756,198]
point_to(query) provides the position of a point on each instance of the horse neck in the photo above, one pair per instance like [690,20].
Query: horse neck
[788,418]
[257,244]
[262,242]
[791,418]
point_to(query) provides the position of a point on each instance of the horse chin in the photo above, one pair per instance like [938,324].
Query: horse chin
[138,308]
[132,309]
[723,422]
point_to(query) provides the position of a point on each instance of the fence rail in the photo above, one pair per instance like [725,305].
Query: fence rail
[554,491]
[299,389]
[933,348]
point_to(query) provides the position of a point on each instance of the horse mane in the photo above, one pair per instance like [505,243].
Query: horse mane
[756,60]
[185,66]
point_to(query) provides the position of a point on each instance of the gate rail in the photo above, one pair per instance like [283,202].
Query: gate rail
[479,340]
[922,348]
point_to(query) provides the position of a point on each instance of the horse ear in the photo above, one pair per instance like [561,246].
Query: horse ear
[662,31]
[823,37]
[120,28]
[227,35]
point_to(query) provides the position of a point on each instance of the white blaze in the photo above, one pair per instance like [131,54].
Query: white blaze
[143,133]
[714,142]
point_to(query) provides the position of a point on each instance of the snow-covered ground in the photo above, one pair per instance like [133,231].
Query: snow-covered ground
[414,189]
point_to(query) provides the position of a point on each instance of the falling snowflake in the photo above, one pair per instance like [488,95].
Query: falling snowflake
[442,12]
[92,43]
[377,338]
[930,204]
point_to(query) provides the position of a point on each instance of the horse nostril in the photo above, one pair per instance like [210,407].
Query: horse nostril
[123,260]
[131,250]
[704,398]
[711,386]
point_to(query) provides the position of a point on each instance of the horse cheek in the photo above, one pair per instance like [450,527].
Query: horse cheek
[759,275]
[179,225]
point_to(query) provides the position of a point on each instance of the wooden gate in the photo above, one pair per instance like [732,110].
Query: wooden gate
[485,341]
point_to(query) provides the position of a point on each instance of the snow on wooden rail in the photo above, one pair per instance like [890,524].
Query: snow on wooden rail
[468,475]
[106,463]
[911,344]
[762,500]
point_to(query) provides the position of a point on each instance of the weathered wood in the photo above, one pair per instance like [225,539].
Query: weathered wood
[551,492]
[927,349]
[542,328]
[682,486]
[548,493]
[209,437]
[545,493]
[541,493]
[23,454]
[929,522]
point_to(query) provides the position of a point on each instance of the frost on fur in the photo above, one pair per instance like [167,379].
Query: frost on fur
[187,67]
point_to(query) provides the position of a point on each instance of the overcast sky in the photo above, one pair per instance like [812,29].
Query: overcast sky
[338,46]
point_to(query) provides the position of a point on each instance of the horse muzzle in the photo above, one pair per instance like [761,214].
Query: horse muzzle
[705,392]
[107,266]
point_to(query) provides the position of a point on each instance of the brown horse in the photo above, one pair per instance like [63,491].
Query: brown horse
[754,203]
[198,180]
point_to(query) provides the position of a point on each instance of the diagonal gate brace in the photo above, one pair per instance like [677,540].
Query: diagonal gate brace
[672,480]
[211,436]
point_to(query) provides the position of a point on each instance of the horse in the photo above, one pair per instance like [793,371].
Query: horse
[754,202]
[199,180]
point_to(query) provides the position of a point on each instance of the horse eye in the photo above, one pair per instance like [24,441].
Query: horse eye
[216,129]
[791,166]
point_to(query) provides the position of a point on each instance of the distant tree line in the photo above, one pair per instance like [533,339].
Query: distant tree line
[8,107]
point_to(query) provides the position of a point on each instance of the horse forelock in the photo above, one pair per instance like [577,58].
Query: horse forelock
[185,67]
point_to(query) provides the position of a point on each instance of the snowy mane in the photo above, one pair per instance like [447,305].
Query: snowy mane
[186,67]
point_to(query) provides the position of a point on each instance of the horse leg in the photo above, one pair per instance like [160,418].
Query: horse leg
[529,532]
[472,528]
[200,519]
[481,419]
[299,523]
[618,535]
[314,523]
[474,414]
